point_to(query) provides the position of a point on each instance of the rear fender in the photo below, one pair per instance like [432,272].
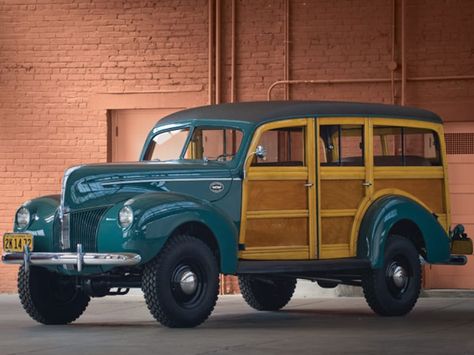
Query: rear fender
[382,216]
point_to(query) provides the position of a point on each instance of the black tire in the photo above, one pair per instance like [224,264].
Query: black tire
[170,301]
[393,289]
[50,298]
[266,294]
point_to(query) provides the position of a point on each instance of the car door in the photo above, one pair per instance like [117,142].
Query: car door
[344,183]
[279,193]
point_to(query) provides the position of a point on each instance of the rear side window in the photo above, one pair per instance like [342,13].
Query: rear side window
[341,145]
[404,146]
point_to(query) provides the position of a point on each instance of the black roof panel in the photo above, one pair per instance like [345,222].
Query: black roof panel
[264,111]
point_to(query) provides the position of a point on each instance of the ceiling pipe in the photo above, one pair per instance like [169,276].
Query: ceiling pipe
[393,64]
[232,55]
[363,80]
[218,53]
[286,61]
[403,54]
[211,53]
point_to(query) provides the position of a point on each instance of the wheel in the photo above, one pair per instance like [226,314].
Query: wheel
[266,294]
[181,283]
[49,297]
[393,289]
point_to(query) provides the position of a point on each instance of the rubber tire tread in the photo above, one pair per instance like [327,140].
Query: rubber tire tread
[39,305]
[159,305]
[266,295]
[374,285]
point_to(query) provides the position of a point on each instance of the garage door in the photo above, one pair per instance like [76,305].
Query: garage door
[129,129]
[460,149]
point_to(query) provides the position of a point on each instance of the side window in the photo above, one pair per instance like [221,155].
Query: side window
[219,144]
[284,147]
[403,146]
[341,145]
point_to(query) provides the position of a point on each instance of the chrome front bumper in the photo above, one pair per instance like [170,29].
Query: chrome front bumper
[79,258]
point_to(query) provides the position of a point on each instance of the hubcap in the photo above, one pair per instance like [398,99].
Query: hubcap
[399,276]
[188,282]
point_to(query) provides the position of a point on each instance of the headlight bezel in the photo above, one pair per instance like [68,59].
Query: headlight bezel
[125,217]
[22,221]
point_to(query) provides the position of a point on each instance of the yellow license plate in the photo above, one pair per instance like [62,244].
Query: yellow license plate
[16,242]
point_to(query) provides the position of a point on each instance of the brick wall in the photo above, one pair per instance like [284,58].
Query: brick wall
[56,54]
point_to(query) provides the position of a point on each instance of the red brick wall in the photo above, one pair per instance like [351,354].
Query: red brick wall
[56,54]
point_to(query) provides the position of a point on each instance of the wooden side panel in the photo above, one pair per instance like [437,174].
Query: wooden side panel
[336,230]
[429,191]
[277,195]
[341,194]
[273,232]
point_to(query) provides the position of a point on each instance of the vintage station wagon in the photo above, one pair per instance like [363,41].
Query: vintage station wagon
[333,192]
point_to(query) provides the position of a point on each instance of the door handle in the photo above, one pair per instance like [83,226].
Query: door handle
[308,184]
[366,183]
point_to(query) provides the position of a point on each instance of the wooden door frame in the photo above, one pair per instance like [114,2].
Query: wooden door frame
[307,172]
[364,172]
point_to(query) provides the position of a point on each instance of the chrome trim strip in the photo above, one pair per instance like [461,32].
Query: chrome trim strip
[39,258]
[121,182]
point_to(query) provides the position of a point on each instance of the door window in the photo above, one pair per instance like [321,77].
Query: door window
[341,145]
[283,146]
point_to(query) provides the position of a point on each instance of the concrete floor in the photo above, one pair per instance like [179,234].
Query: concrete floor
[122,325]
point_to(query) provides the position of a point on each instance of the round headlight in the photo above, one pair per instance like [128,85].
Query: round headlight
[125,216]
[23,218]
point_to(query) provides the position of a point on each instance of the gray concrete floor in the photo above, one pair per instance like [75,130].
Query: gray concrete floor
[122,325]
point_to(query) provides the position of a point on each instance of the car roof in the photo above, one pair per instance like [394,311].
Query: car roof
[266,111]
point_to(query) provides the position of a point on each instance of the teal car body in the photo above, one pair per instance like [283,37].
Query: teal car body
[203,199]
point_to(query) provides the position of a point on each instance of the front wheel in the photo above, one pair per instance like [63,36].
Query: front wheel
[181,283]
[393,289]
[50,298]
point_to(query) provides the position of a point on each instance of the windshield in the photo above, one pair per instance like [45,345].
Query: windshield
[206,143]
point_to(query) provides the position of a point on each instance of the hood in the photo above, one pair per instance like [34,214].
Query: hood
[97,185]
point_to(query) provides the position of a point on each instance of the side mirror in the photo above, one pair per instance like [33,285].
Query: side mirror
[261,152]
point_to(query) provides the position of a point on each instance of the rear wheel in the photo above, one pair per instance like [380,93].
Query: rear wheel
[393,289]
[181,283]
[266,294]
[50,298]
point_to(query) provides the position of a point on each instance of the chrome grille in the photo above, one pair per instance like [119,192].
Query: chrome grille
[83,226]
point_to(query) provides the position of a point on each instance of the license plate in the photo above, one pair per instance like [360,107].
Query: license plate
[16,242]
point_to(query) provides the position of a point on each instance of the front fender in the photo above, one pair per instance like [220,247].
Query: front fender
[384,213]
[158,214]
[42,211]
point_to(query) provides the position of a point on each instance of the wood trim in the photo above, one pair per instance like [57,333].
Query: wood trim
[278,175]
[278,214]
[338,213]
[325,121]
[275,253]
[312,152]
[406,172]
[332,251]
[342,173]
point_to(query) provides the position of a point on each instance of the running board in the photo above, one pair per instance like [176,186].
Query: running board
[301,266]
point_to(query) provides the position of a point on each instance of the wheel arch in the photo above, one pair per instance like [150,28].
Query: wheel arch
[401,215]
[164,215]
